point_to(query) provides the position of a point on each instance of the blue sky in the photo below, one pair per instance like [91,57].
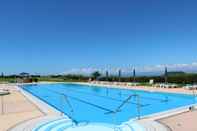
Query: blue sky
[51,36]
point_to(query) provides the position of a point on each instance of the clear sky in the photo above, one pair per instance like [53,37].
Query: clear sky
[48,36]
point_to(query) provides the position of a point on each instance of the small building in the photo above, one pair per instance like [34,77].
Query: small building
[24,78]
[24,75]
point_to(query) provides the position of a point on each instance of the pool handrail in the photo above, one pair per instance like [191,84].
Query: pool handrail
[65,98]
[126,101]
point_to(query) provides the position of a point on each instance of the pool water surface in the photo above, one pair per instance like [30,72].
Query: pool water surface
[84,103]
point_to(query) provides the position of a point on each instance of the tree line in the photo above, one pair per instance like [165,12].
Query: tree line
[173,77]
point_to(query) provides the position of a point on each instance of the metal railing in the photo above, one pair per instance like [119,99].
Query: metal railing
[65,99]
[71,109]
[119,108]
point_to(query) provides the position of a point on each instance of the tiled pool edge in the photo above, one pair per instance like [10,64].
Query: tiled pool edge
[154,116]
[45,107]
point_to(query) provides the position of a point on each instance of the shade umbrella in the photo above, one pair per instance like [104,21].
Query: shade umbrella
[166,75]
[107,75]
[119,75]
[134,75]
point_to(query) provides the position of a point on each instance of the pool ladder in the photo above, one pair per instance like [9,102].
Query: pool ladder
[118,109]
[74,122]
[65,99]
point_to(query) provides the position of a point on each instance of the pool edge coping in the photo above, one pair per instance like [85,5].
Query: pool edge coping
[153,117]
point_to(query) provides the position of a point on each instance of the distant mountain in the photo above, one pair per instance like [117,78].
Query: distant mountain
[157,70]
[176,73]
[127,74]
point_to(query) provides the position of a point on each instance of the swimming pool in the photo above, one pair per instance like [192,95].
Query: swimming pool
[83,103]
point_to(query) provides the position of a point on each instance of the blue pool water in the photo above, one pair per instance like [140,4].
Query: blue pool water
[83,103]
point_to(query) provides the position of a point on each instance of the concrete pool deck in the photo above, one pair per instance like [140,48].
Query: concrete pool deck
[21,111]
[16,109]
[185,121]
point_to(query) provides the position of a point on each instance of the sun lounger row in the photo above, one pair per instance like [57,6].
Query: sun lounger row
[158,85]
[162,85]
[114,83]
[190,87]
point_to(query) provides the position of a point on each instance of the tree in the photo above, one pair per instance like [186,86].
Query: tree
[96,75]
